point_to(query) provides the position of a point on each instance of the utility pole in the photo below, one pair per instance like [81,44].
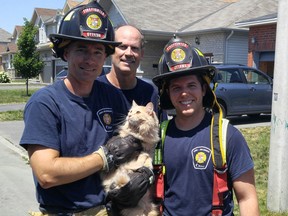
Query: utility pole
[277,198]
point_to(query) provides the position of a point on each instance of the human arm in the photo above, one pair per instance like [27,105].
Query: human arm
[245,191]
[52,170]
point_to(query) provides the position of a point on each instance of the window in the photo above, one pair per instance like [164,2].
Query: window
[228,76]
[254,77]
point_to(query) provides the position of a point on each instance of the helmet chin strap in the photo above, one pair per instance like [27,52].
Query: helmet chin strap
[215,106]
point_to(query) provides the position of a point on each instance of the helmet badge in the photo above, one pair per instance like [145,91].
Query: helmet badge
[94,22]
[178,56]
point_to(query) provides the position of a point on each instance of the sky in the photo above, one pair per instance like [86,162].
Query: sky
[13,12]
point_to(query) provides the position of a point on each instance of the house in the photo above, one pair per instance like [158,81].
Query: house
[5,39]
[11,50]
[262,39]
[207,25]
[48,22]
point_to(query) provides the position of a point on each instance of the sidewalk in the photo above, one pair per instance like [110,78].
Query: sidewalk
[10,135]
[10,107]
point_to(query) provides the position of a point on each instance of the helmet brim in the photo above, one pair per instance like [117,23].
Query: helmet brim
[73,38]
[208,71]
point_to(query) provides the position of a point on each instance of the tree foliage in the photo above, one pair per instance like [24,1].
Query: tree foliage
[27,60]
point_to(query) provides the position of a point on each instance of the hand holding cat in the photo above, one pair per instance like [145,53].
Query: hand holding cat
[118,150]
[130,194]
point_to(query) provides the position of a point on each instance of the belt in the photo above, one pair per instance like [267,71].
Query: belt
[95,211]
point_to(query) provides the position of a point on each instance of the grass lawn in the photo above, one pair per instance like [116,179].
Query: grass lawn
[258,140]
[14,115]
[15,96]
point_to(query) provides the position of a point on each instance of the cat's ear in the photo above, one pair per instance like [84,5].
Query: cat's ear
[134,103]
[149,108]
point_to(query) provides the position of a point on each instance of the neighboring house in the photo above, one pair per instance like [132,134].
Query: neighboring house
[47,21]
[10,51]
[5,39]
[69,4]
[262,39]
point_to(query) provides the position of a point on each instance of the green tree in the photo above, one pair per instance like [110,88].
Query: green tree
[27,60]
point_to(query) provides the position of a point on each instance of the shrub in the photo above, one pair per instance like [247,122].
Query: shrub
[4,78]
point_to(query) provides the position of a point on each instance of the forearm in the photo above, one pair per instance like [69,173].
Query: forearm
[249,207]
[52,170]
[246,195]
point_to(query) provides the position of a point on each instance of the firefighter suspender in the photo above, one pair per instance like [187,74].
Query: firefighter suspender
[159,167]
[218,148]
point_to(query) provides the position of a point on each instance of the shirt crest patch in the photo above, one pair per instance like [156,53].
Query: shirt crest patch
[201,156]
[105,117]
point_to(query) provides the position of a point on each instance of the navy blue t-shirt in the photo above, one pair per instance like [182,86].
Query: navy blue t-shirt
[142,93]
[189,169]
[74,126]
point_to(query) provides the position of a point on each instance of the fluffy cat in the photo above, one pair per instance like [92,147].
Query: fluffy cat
[141,123]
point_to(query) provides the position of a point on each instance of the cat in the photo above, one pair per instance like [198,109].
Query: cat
[141,123]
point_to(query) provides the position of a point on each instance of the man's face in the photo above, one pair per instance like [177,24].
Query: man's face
[85,60]
[127,55]
[186,94]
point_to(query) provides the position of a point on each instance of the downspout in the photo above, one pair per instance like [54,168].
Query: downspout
[226,45]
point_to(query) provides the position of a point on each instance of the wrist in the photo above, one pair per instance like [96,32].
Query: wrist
[108,159]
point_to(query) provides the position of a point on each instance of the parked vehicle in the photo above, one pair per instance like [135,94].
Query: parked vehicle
[243,90]
[106,69]
[62,74]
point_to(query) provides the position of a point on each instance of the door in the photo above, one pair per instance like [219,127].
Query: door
[260,88]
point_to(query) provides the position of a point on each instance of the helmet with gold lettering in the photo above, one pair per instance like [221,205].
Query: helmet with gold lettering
[88,23]
[181,59]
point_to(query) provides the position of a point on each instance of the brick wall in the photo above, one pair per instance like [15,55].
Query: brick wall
[264,41]
[265,37]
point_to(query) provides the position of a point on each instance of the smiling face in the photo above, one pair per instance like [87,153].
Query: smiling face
[186,94]
[128,55]
[85,60]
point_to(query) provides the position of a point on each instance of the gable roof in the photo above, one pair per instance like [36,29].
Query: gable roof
[17,30]
[189,16]
[262,20]
[5,36]
[3,49]
[12,48]
[69,4]
[44,14]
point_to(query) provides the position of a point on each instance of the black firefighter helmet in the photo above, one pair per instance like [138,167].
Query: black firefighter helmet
[87,23]
[181,59]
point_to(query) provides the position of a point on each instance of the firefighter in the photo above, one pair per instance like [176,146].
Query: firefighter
[68,123]
[193,182]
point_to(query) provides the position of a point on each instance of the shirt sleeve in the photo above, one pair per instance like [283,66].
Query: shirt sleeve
[239,158]
[40,118]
